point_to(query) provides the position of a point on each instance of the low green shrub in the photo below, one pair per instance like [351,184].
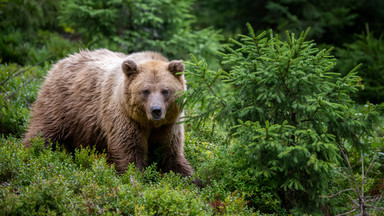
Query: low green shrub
[18,89]
[39,180]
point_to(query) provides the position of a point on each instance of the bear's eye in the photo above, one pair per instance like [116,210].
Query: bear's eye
[165,92]
[146,92]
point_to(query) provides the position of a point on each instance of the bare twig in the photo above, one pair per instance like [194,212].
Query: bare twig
[375,207]
[357,204]
[17,72]
[12,75]
[360,203]
[373,160]
[345,213]
[379,197]
[361,197]
[338,193]
[351,170]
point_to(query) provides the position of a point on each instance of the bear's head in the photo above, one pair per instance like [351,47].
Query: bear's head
[151,90]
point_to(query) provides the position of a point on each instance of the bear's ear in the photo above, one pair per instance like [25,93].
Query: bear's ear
[129,68]
[176,66]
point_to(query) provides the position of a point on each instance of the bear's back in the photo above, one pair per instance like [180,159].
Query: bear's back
[91,63]
[68,106]
[97,62]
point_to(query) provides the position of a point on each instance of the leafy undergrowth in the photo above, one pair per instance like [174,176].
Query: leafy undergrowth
[39,181]
[18,89]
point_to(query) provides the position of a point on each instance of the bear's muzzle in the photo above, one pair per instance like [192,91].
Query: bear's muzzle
[156,112]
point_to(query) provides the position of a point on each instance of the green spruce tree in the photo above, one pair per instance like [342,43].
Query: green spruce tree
[289,113]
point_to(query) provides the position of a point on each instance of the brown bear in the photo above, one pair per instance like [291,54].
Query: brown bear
[124,104]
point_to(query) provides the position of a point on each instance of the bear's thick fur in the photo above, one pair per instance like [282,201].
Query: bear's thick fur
[125,104]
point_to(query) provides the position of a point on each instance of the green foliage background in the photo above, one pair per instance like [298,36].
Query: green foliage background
[267,113]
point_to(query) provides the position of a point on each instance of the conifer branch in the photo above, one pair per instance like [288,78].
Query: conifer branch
[302,39]
[283,79]
[211,90]
[287,69]
[203,71]
[255,41]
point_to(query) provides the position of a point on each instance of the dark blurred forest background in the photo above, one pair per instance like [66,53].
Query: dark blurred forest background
[282,152]
[34,31]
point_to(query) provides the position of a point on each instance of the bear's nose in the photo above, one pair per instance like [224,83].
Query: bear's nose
[156,112]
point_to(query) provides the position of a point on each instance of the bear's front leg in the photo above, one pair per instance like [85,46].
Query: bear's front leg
[172,144]
[128,145]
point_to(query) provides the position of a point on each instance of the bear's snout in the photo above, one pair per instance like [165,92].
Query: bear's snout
[156,112]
